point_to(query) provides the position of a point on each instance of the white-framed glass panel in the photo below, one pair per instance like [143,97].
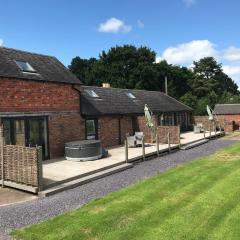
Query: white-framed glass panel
[25,66]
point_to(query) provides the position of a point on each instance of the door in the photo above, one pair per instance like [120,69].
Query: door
[36,134]
[19,130]
[27,131]
[135,125]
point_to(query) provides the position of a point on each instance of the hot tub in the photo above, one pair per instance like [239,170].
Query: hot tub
[86,150]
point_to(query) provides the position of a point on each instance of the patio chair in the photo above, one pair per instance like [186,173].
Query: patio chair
[198,128]
[139,137]
[132,142]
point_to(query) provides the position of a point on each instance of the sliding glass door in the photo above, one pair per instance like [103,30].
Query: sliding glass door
[27,131]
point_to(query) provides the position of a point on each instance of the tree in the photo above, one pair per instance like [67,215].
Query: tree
[131,67]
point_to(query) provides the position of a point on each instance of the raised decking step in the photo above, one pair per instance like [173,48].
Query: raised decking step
[194,144]
[84,180]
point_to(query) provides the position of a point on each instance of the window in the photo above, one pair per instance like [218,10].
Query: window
[91,93]
[25,66]
[130,95]
[91,129]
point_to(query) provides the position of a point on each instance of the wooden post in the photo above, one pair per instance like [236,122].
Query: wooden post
[126,149]
[169,145]
[215,130]
[210,130]
[157,144]
[179,139]
[40,173]
[204,133]
[143,148]
[2,157]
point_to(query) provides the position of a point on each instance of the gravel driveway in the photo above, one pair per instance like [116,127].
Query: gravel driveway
[23,214]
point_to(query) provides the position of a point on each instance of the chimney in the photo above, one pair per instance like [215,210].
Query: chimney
[106,85]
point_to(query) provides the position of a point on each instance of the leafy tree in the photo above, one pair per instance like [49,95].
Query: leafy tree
[130,67]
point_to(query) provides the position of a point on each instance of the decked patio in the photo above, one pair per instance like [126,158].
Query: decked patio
[59,171]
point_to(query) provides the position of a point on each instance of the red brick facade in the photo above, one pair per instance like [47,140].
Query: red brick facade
[229,123]
[26,96]
[61,102]
[108,130]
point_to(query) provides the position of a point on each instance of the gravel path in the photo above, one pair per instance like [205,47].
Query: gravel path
[23,214]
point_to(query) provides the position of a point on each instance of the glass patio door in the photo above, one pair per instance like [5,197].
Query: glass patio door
[28,131]
[36,134]
[19,130]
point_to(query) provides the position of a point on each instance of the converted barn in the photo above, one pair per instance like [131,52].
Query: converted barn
[42,103]
[229,114]
[110,113]
[38,102]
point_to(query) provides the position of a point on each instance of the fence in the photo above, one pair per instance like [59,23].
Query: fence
[20,167]
[172,132]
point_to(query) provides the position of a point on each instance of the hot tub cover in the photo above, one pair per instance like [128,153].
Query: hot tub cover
[83,144]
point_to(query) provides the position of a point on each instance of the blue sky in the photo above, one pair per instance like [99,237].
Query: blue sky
[180,31]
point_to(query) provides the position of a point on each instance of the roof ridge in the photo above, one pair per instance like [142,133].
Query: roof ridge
[29,52]
[140,90]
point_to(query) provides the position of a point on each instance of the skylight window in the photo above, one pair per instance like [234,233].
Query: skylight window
[25,66]
[130,95]
[91,93]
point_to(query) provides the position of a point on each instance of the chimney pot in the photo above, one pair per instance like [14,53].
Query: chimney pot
[106,85]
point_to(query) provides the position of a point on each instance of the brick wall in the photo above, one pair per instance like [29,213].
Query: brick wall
[64,128]
[25,96]
[163,131]
[126,127]
[143,128]
[108,131]
[204,120]
[228,122]
[60,101]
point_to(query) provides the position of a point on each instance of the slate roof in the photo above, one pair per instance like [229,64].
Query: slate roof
[114,101]
[48,68]
[227,109]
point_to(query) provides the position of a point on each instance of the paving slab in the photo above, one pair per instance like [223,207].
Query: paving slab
[10,196]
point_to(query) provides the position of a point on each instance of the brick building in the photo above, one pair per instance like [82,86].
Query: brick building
[110,113]
[38,102]
[229,114]
[42,103]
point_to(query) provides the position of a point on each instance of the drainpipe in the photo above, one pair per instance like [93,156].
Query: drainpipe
[2,158]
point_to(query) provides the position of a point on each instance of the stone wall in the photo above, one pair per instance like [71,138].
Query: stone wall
[174,132]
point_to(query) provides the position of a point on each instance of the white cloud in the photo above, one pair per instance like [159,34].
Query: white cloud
[1,42]
[232,54]
[140,24]
[233,71]
[189,3]
[114,25]
[186,53]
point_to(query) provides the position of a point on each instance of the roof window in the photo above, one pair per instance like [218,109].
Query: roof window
[130,95]
[25,66]
[91,93]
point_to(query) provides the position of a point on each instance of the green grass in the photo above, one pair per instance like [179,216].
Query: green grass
[198,200]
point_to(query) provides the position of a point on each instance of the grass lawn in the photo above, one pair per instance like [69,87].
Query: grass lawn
[198,200]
